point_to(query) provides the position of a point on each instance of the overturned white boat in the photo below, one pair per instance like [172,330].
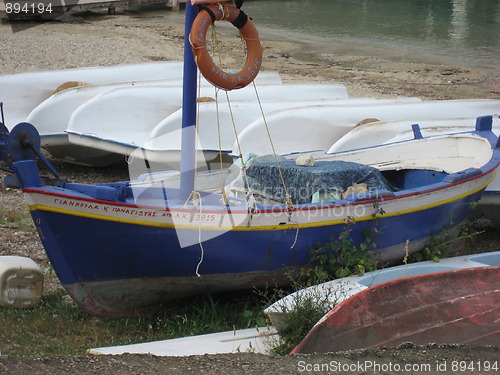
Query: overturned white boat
[316,125]
[142,131]
[51,116]
[23,92]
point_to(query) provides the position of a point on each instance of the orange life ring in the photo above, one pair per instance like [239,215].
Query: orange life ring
[197,38]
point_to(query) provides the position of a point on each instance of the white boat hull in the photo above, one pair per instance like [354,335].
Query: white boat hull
[319,123]
[251,340]
[22,92]
[151,130]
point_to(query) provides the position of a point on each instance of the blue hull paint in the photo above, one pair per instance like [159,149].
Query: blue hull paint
[128,258]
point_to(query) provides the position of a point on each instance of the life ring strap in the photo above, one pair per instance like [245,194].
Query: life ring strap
[241,20]
[209,11]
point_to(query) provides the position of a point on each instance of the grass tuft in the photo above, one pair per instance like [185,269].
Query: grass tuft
[58,327]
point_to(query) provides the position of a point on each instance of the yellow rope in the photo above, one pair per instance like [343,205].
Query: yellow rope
[223,191]
[216,48]
[289,202]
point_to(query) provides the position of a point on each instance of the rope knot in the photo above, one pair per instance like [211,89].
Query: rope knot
[194,197]
[289,204]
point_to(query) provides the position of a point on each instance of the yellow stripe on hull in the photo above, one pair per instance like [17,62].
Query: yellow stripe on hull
[35,207]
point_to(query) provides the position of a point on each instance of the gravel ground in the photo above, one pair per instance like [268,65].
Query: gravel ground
[108,40]
[406,359]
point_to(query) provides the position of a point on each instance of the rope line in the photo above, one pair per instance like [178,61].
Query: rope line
[289,203]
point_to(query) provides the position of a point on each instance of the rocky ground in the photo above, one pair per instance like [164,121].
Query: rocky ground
[109,40]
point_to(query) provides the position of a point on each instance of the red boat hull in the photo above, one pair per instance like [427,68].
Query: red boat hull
[452,307]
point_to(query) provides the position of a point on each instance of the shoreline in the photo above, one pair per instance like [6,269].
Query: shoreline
[102,40]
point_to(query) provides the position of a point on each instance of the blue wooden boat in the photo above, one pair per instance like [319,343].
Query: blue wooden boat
[124,248]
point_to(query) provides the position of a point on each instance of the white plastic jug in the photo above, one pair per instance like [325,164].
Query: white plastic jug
[21,282]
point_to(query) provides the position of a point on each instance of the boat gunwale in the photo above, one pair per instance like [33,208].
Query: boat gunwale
[281,226]
[130,145]
[485,169]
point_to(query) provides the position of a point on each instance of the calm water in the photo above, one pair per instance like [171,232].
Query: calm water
[465,32]
[441,31]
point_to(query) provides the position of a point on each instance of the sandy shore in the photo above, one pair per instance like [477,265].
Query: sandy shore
[99,40]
